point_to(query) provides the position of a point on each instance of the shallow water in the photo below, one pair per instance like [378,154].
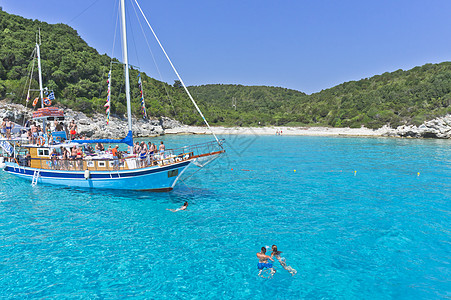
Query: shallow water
[358,218]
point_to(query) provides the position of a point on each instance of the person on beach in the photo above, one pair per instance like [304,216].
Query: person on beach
[282,261]
[263,262]
[183,207]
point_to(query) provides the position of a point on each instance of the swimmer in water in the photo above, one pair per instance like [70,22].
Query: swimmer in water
[281,260]
[263,262]
[183,207]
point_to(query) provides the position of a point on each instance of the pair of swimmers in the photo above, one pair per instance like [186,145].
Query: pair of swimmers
[263,261]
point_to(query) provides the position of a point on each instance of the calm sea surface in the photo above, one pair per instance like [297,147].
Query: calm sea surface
[358,218]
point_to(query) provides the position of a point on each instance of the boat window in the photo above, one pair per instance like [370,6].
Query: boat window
[101,164]
[173,173]
[43,152]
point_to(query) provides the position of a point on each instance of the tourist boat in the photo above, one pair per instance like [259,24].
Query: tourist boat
[41,164]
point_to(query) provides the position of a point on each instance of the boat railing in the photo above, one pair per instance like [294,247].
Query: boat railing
[110,164]
[96,163]
[198,150]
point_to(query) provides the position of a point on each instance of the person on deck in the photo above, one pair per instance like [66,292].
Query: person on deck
[34,133]
[59,126]
[263,261]
[99,147]
[89,149]
[39,129]
[73,153]
[9,125]
[29,136]
[54,158]
[143,154]
[54,125]
[2,127]
[161,149]
[115,157]
[73,129]
[151,152]
[65,158]
[136,148]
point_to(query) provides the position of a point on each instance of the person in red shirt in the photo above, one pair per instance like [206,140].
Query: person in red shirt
[115,156]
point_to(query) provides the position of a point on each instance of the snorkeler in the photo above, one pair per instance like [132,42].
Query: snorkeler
[263,261]
[281,260]
[183,207]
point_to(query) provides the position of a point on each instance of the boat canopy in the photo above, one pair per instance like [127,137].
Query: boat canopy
[127,140]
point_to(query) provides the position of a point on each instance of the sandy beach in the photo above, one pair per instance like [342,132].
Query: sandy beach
[306,131]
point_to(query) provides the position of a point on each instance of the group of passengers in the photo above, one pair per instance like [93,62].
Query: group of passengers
[147,152]
[65,155]
[37,135]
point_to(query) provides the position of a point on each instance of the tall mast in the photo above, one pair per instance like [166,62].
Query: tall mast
[38,51]
[125,58]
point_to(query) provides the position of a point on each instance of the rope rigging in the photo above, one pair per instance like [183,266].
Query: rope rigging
[178,76]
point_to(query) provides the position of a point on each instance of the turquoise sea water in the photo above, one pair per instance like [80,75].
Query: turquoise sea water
[360,218]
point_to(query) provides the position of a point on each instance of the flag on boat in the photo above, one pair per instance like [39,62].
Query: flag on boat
[28,96]
[52,96]
[143,105]
[107,104]
[7,147]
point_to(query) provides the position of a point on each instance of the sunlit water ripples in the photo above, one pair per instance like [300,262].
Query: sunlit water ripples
[358,218]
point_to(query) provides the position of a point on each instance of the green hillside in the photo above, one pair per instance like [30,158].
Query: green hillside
[77,73]
[401,97]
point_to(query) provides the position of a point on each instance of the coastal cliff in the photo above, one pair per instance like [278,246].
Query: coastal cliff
[95,126]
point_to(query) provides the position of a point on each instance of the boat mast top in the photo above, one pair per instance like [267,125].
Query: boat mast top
[125,58]
[38,54]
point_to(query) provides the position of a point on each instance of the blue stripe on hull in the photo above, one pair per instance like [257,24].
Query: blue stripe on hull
[153,178]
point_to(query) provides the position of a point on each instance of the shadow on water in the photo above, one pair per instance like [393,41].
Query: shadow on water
[58,193]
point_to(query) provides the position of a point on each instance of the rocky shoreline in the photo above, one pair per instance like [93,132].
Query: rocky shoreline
[95,126]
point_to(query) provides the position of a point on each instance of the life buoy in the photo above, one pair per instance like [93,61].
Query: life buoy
[35,101]
[47,101]
[41,141]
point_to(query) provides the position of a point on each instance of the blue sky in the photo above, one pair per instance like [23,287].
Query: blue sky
[303,45]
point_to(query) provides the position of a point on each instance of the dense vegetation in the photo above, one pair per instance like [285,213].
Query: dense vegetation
[77,73]
[401,97]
